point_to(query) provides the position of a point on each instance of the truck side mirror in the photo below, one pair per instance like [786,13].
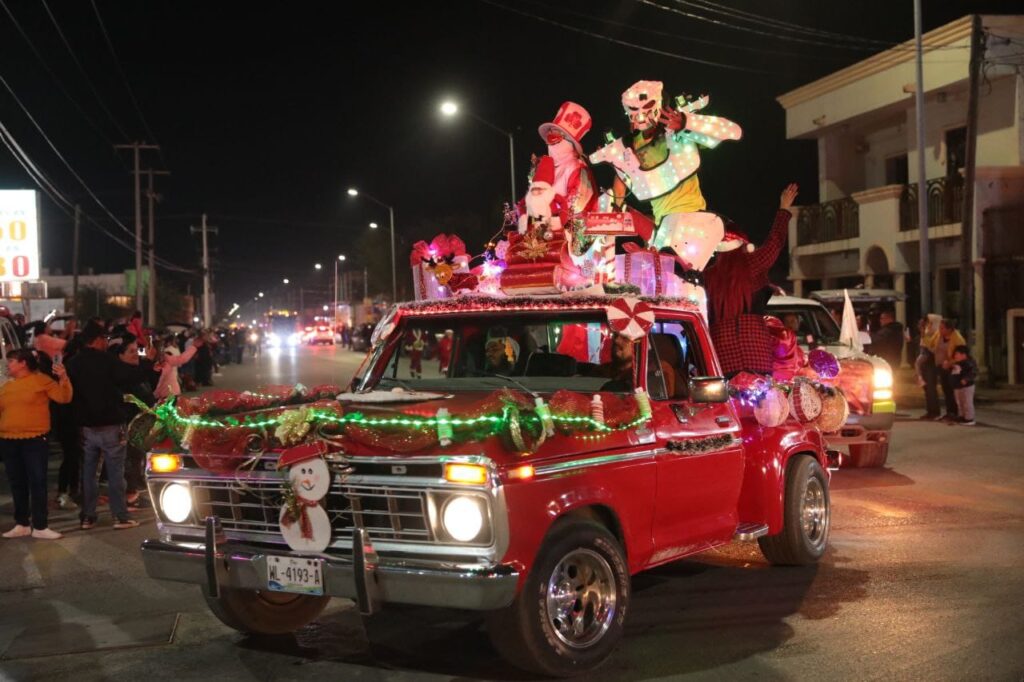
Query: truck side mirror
[709,390]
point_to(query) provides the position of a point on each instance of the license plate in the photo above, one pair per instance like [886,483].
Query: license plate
[291,574]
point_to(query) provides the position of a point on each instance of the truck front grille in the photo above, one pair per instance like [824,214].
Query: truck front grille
[396,514]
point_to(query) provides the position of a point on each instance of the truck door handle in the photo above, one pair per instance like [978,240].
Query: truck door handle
[723,421]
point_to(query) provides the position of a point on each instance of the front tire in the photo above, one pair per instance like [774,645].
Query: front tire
[569,616]
[258,612]
[806,516]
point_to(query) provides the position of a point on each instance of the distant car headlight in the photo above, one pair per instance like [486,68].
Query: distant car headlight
[254,337]
[463,518]
[294,339]
[273,339]
[176,502]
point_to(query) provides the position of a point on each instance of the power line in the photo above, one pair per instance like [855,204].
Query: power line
[676,35]
[624,43]
[775,35]
[53,75]
[59,155]
[124,78]
[751,17]
[81,68]
[61,201]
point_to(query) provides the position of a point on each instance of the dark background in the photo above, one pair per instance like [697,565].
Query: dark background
[266,113]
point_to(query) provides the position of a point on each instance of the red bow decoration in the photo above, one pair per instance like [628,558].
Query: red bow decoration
[305,525]
[443,248]
[630,317]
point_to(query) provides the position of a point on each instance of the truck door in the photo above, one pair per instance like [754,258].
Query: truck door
[700,460]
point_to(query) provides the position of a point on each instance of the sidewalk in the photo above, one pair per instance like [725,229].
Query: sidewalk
[911,396]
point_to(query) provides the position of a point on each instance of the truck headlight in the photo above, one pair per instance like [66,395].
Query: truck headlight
[463,518]
[176,502]
[882,384]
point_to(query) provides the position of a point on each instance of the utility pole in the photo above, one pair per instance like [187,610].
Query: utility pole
[206,267]
[922,182]
[137,147]
[970,161]
[74,260]
[151,287]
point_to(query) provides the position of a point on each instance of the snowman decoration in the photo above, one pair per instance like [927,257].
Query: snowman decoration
[303,521]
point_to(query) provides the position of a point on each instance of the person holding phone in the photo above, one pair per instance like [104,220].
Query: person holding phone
[24,423]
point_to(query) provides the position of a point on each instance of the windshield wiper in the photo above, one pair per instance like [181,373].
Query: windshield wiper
[511,380]
[395,380]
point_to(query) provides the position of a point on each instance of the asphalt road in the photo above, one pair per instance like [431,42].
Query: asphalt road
[923,580]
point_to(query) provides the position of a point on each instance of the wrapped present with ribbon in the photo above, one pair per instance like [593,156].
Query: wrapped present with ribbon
[434,264]
[542,278]
[652,272]
[531,248]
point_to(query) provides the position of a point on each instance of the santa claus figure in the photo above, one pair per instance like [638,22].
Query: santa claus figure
[573,178]
[546,210]
[738,293]
[415,344]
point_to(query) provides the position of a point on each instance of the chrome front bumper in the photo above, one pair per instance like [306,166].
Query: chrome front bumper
[217,564]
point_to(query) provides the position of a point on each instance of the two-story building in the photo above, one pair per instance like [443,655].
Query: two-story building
[865,230]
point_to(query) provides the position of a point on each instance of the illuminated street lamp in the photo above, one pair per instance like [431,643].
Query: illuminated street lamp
[261,294]
[373,226]
[450,109]
[285,281]
[339,259]
[353,192]
[318,266]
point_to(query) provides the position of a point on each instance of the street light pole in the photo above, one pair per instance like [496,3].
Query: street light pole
[450,109]
[352,192]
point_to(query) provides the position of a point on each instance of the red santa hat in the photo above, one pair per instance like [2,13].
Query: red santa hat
[301,453]
[572,121]
[544,175]
[734,239]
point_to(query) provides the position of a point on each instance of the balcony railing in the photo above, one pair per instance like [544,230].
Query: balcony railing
[945,202]
[838,219]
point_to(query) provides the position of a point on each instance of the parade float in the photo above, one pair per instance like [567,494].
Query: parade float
[575,428]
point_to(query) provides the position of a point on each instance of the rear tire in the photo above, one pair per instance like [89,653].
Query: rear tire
[258,612]
[870,454]
[569,616]
[806,516]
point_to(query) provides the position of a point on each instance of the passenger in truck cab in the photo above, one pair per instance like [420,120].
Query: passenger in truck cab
[618,370]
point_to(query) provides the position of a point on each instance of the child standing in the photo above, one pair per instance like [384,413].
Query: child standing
[965,373]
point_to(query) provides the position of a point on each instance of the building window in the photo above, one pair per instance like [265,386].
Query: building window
[956,150]
[896,170]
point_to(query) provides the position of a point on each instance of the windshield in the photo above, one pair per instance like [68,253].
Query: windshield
[812,325]
[525,351]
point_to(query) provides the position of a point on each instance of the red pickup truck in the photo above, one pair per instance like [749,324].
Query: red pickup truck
[527,476]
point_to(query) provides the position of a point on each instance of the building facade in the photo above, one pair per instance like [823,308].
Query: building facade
[865,230]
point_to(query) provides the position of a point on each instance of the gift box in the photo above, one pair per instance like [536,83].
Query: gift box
[653,272]
[531,248]
[425,284]
[542,278]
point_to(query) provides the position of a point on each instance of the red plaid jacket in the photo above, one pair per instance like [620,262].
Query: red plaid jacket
[744,342]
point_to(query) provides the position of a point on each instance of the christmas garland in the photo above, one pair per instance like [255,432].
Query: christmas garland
[219,443]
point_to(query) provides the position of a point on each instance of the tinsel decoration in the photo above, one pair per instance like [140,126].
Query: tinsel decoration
[699,445]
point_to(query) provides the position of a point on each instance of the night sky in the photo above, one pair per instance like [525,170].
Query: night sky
[266,112]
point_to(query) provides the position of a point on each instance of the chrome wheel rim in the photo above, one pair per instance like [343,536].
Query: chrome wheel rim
[581,597]
[814,513]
